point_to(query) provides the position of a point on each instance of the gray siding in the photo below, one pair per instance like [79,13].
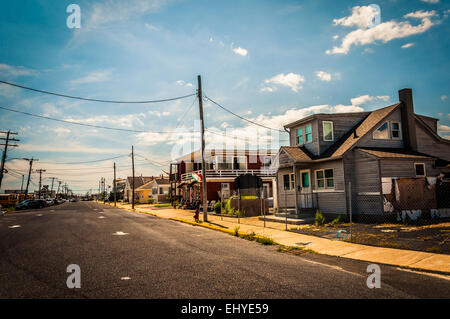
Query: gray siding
[429,145]
[364,174]
[369,141]
[405,167]
[313,146]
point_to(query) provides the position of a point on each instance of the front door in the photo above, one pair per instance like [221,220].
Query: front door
[305,190]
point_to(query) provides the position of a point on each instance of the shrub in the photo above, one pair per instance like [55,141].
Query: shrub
[336,220]
[319,219]
[162,205]
[150,201]
[236,231]
[217,207]
[265,240]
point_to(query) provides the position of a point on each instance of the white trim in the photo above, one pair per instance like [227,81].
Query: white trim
[369,193]
[424,169]
[328,190]
[388,131]
[325,188]
[332,130]
[399,130]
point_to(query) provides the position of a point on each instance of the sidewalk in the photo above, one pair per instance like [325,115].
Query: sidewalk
[276,231]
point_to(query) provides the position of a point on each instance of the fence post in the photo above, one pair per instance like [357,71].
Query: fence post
[263,208]
[239,206]
[350,206]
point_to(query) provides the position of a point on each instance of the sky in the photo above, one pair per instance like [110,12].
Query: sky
[272,62]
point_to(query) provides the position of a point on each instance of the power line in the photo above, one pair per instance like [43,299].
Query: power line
[95,100]
[89,125]
[93,161]
[243,118]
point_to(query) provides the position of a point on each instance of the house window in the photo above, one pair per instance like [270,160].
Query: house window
[420,169]
[382,132]
[308,133]
[239,162]
[395,130]
[328,131]
[300,136]
[288,181]
[324,178]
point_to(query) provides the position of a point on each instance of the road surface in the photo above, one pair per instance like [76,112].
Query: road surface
[132,255]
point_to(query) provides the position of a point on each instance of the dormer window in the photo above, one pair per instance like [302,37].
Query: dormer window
[304,135]
[382,132]
[328,131]
[395,130]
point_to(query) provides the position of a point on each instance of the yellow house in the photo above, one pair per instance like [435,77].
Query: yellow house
[143,193]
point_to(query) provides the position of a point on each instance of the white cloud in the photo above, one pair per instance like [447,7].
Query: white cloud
[182,83]
[93,77]
[363,99]
[443,128]
[323,76]
[430,1]
[444,98]
[290,80]
[362,17]
[151,27]
[384,32]
[10,70]
[240,51]
[335,37]
[125,121]
[407,45]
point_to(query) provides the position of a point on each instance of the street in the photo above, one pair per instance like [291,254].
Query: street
[131,255]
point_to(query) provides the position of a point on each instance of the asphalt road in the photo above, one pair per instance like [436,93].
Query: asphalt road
[131,255]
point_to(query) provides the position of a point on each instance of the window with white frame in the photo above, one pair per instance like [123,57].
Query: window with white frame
[420,169]
[328,134]
[382,132]
[396,130]
[288,181]
[324,178]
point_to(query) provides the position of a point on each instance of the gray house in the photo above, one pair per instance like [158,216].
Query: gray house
[359,158]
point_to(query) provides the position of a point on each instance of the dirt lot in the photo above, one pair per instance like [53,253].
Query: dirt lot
[434,237]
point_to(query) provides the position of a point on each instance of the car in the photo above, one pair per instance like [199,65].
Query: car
[31,204]
[49,202]
[73,200]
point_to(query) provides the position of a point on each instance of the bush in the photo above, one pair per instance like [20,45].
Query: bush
[236,231]
[336,220]
[150,201]
[162,205]
[319,219]
[217,207]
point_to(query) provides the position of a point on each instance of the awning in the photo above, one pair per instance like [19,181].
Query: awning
[182,184]
[192,183]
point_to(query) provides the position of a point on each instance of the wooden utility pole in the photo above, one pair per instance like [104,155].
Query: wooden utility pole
[6,144]
[114,185]
[51,190]
[21,186]
[132,183]
[40,171]
[204,191]
[57,192]
[29,172]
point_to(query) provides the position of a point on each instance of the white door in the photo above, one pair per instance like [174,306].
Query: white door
[305,189]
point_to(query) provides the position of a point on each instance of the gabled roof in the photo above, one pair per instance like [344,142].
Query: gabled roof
[139,180]
[349,140]
[296,153]
[149,185]
[394,153]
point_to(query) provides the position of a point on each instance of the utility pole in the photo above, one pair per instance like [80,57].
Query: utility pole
[53,180]
[114,185]
[29,173]
[21,186]
[132,183]
[40,171]
[200,105]
[6,144]
[57,192]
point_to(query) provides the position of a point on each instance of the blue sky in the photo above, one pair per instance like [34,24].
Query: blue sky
[270,61]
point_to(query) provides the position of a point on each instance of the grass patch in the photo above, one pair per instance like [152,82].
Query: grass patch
[162,205]
[296,250]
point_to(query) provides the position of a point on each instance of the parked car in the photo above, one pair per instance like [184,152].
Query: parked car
[49,202]
[31,204]
[73,200]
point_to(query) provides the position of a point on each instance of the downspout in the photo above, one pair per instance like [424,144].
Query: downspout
[296,190]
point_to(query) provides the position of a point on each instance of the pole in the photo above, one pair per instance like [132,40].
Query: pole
[51,190]
[29,174]
[200,105]
[239,206]
[115,199]
[7,139]
[263,208]
[40,171]
[57,192]
[21,186]
[350,199]
[132,183]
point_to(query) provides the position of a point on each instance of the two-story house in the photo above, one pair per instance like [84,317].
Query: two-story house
[223,166]
[330,153]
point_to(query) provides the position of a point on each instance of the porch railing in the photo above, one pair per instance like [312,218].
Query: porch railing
[229,173]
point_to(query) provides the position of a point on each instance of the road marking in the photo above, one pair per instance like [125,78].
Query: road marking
[52,210]
[125,278]
[101,217]
[120,233]
[14,226]
[39,215]
[425,273]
